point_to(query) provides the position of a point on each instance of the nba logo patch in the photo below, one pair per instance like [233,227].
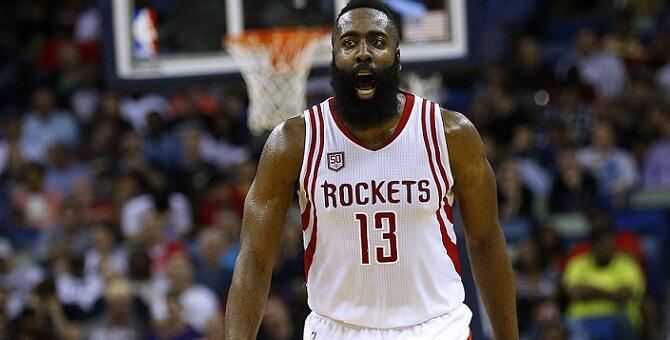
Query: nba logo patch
[335,161]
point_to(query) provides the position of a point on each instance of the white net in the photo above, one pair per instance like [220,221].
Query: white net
[429,87]
[275,64]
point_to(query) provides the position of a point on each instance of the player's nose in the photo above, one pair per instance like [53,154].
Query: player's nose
[363,55]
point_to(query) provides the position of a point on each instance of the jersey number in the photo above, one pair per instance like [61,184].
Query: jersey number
[387,253]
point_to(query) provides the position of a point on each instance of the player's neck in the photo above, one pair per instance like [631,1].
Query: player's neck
[377,136]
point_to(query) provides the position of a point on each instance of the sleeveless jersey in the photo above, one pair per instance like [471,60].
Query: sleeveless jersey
[377,225]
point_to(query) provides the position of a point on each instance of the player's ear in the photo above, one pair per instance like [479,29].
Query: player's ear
[397,55]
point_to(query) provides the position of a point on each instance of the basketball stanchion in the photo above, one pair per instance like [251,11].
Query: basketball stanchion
[275,64]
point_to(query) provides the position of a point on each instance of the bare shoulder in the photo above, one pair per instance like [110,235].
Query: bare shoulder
[462,136]
[289,135]
[283,151]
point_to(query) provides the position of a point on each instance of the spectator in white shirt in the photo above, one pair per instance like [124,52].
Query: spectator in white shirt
[174,205]
[105,258]
[200,304]
[614,168]
[657,159]
[45,126]
[604,71]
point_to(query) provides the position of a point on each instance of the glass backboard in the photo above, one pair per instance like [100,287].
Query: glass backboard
[165,39]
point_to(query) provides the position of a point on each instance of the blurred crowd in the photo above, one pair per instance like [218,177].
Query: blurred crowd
[120,209]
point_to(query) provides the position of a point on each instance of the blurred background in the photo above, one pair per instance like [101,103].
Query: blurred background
[122,189]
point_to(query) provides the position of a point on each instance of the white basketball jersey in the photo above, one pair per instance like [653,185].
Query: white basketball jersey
[379,242]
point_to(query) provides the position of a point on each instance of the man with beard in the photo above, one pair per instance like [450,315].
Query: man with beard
[376,190]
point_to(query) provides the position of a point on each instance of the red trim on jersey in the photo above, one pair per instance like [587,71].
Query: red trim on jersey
[446,240]
[438,154]
[452,250]
[407,111]
[304,217]
[311,247]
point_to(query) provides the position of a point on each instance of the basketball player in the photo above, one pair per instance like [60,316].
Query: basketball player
[378,171]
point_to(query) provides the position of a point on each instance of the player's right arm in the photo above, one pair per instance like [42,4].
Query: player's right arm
[264,212]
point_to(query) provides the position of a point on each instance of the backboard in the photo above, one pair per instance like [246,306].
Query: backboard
[149,40]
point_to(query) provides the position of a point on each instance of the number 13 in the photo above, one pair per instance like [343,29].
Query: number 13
[384,254]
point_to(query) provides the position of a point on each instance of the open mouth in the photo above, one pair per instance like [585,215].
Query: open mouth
[365,85]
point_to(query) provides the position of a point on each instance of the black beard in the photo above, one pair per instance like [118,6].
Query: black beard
[363,114]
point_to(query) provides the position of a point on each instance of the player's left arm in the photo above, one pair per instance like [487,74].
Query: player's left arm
[475,189]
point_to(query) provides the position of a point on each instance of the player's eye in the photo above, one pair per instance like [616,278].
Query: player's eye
[348,43]
[378,42]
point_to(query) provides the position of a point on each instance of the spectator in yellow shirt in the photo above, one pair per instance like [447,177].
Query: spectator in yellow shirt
[605,284]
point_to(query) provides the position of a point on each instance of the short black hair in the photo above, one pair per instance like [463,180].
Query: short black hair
[598,234]
[372,4]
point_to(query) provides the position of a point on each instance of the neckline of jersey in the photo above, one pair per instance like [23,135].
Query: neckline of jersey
[407,111]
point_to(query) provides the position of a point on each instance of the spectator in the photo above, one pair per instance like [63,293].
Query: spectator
[630,117]
[194,106]
[514,197]
[4,318]
[508,114]
[528,157]
[200,304]
[209,269]
[624,41]
[105,259]
[64,173]
[106,129]
[38,207]
[276,324]
[605,283]
[535,283]
[145,285]
[137,106]
[220,193]
[663,74]
[175,326]
[160,146]
[11,148]
[154,240]
[85,98]
[71,237]
[120,319]
[17,279]
[574,189]
[230,223]
[614,168]
[75,289]
[570,111]
[218,150]
[656,173]
[45,126]
[5,143]
[529,70]
[87,27]
[597,67]
[192,167]
[551,245]
[131,158]
[173,207]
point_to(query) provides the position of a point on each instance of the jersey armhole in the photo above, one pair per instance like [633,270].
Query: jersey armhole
[305,154]
[444,151]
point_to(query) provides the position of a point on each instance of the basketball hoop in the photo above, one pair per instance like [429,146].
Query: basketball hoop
[428,87]
[275,64]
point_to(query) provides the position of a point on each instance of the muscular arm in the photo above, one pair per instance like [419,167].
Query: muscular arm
[474,186]
[264,212]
